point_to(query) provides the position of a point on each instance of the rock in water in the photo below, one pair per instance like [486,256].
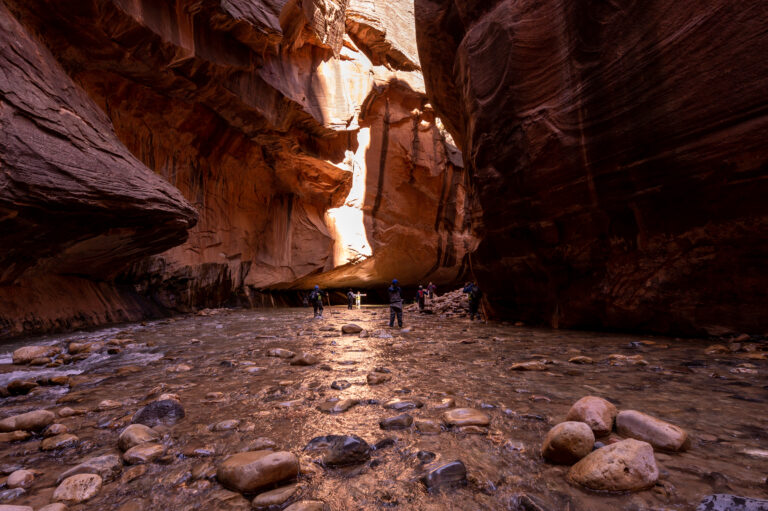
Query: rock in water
[136,434]
[304,359]
[660,434]
[338,406]
[58,506]
[466,417]
[167,411]
[27,354]
[596,412]
[401,421]
[725,502]
[6,507]
[280,353]
[108,467]
[340,449]
[403,404]
[376,378]
[249,471]
[628,465]
[78,488]
[59,442]
[568,442]
[448,474]
[351,329]
[144,453]
[276,497]
[20,479]
[30,421]
[306,505]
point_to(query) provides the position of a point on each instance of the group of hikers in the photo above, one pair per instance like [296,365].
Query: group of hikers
[395,292]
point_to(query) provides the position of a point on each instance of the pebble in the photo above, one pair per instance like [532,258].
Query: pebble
[276,497]
[401,421]
[627,465]
[20,479]
[447,474]
[59,442]
[568,442]
[660,434]
[596,412]
[249,471]
[466,417]
[136,434]
[30,421]
[78,488]
[144,453]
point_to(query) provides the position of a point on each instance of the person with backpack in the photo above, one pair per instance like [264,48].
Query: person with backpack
[316,298]
[475,294]
[422,295]
[395,304]
[432,289]
[350,299]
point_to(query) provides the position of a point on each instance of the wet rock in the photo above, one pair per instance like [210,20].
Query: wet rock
[447,474]
[27,354]
[280,353]
[304,359]
[725,502]
[109,404]
[144,453]
[581,360]
[69,412]
[6,507]
[167,411]
[351,329]
[203,470]
[377,378]
[107,466]
[756,453]
[445,403]
[401,421]
[426,456]
[568,442]
[21,387]
[11,494]
[58,506]
[249,471]
[276,497]
[338,406]
[628,465]
[78,488]
[14,436]
[596,412]
[384,443]
[306,505]
[340,449]
[59,442]
[226,425]
[660,434]
[716,349]
[261,444]
[179,368]
[340,385]
[133,473]
[55,429]
[428,427]
[531,365]
[466,417]
[136,434]
[403,404]
[163,397]
[30,421]
[20,479]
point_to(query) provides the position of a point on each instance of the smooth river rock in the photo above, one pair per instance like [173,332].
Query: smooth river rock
[446,474]
[107,466]
[660,434]
[466,417]
[568,442]
[275,497]
[401,421]
[340,449]
[20,479]
[351,329]
[596,412]
[78,488]
[27,354]
[306,505]
[59,442]
[136,434]
[249,471]
[143,453]
[627,465]
[30,421]
[166,411]
[304,359]
[403,404]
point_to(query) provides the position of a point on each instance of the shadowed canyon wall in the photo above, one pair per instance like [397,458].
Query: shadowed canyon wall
[180,154]
[618,152]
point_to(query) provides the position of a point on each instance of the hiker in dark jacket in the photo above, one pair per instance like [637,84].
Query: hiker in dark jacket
[350,299]
[316,298]
[395,304]
[475,294]
[422,295]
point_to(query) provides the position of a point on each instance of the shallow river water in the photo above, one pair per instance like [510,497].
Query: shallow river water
[724,408]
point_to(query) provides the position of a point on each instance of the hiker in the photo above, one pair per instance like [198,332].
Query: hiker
[471,289]
[350,299]
[316,297]
[432,289]
[422,294]
[395,304]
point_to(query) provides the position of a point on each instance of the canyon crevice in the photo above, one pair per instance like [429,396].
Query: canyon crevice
[187,154]
[618,152]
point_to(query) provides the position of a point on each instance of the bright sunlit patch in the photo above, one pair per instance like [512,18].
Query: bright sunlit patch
[346,223]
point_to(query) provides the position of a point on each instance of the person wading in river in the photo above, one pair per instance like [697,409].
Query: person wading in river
[422,294]
[475,294]
[350,299]
[316,297]
[395,304]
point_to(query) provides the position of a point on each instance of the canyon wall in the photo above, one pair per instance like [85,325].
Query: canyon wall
[618,152]
[178,154]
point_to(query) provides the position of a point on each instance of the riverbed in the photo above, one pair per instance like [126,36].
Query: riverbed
[217,366]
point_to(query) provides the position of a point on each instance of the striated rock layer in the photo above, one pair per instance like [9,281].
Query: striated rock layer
[618,152]
[275,144]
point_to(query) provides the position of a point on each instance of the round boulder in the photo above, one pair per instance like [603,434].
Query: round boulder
[628,465]
[568,442]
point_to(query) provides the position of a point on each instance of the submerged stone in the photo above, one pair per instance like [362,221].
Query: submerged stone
[448,474]
[166,411]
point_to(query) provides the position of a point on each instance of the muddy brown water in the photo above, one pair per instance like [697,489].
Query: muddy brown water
[726,412]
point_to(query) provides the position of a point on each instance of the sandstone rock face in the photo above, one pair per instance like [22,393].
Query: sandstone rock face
[249,471]
[660,434]
[298,130]
[621,181]
[596,412]
[628,465]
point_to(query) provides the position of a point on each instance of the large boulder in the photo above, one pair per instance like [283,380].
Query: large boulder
[660,434]
[249,471]
[596,412]
[568,442]
[627,465]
